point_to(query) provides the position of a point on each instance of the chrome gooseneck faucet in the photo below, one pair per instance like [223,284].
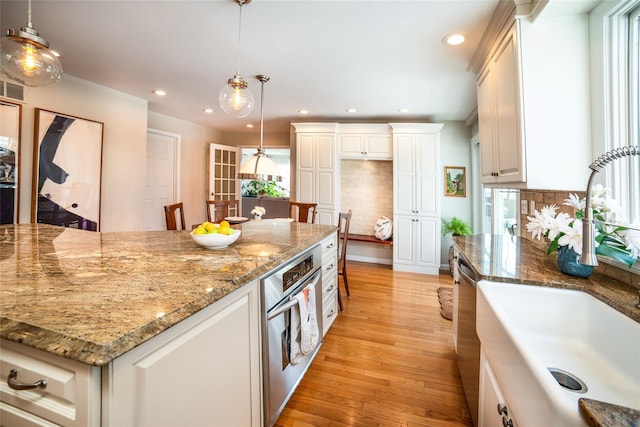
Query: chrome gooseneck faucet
[588,224]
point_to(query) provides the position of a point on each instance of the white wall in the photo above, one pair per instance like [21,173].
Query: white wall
[455,151]
[194,162]
[123,150]
[126,120]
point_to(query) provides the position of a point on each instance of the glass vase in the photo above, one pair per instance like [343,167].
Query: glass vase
[569,263]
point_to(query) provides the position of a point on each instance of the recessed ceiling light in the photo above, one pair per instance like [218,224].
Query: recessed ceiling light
[403,110]
[159,92]
[208,110]
[249,125]
[453,39]
[304,112]
[351,110]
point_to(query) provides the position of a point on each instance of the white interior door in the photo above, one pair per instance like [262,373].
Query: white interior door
[162,176]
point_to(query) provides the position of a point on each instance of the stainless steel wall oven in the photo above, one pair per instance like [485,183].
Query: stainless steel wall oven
[279,290]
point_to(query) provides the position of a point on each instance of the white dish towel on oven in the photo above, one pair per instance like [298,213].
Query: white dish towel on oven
[304,325]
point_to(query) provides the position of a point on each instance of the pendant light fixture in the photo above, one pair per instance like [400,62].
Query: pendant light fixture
[260,167]
[25,57]
[235,98]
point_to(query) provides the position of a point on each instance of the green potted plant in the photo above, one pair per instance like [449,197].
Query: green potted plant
[455,226]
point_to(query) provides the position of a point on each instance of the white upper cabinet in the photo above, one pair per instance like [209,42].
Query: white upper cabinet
[316,171]
[366,142]
[501,141]
[533,104]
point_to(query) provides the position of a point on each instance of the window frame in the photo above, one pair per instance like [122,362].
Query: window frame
[614,31]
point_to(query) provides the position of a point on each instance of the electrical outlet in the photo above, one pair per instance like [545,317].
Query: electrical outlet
[523,207]
[532,206]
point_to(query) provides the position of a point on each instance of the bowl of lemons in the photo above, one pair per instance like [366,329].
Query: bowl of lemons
[215,236]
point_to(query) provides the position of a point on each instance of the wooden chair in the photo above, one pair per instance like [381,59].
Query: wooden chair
[300,212]
[170,216]
[221,209]
[344,219]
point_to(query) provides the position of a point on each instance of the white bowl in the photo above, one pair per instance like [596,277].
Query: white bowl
[215,240]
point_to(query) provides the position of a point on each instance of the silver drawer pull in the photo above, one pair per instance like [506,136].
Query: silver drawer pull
[331,314]
[14,384]
[330,267]
[330,245]
[330,288]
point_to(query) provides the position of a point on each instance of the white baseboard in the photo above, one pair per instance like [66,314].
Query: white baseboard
[371,260]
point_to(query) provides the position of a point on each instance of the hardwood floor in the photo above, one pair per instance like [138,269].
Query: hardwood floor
[388,360]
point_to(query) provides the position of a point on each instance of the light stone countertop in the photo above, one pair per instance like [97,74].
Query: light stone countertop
[93,296]
[514,259]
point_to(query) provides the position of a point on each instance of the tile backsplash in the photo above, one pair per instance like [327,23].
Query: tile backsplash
[546,197]
[367,189]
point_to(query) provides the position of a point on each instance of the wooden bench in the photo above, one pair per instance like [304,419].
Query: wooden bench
[368,239]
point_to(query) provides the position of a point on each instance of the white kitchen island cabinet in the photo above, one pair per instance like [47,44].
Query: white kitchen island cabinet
[202,371]
[533,101]
[416,197]
[71,396]
[329,281]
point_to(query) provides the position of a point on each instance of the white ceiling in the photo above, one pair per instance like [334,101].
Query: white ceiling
[322,55]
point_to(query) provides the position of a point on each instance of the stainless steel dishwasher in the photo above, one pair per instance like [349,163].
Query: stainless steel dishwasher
[468,344]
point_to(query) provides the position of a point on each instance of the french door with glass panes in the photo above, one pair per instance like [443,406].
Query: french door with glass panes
[223,170]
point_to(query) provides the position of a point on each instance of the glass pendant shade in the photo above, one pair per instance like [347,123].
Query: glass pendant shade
[260,168]
[26,58]
[235,98]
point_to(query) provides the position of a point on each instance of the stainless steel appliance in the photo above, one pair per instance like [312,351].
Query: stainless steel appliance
[279,289]
[468,344]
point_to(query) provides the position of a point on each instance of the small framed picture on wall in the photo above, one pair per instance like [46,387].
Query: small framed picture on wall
[455,181]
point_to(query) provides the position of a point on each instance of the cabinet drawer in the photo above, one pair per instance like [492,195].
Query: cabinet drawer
[329,244]
[329,265]
[329,283]
[329,310]
[72,393]
[14,417]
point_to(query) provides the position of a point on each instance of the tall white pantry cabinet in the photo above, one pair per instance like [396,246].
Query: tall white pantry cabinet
[317,172]
[416,197]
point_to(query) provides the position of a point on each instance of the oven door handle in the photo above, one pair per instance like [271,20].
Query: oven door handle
[292,300]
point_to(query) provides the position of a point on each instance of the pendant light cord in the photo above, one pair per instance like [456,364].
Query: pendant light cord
[29,23]
[239,35]
[261,113]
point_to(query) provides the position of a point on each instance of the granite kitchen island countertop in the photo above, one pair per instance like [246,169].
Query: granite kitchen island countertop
[93,296]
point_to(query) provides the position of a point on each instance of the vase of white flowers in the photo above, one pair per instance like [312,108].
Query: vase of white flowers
[257,212]
[564,232]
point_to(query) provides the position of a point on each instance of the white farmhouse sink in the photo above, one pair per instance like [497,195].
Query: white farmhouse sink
[525,330]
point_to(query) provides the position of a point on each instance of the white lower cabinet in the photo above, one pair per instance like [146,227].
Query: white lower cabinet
[492,407]
[71,396]
[329,281]
[203,371]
